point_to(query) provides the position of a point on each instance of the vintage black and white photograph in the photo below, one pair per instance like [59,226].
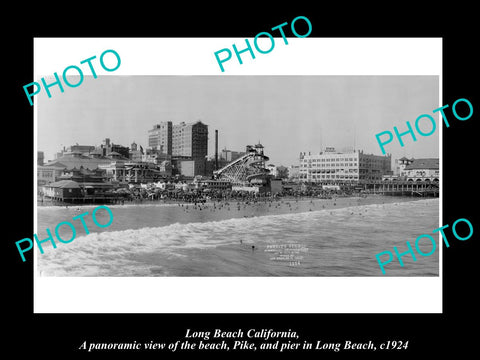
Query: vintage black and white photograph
[234,176]
[289,182]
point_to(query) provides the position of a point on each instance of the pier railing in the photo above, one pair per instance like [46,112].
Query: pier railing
[414,188]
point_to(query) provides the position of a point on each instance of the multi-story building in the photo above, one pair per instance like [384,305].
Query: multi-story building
[40,158]
[400,165]
[229,155]
[155,156]
[116,148]
[160,137]
[135,153]
[134,172]
[185,145]
[422,170]
[81,148]
[48,174]
[331,166]
[190,140]
[190,168]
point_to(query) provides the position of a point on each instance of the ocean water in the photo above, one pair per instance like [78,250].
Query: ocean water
[337,237]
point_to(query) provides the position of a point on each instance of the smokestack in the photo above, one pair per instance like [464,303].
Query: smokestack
[216,149]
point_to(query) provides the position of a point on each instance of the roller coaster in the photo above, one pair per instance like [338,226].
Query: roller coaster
[248,169]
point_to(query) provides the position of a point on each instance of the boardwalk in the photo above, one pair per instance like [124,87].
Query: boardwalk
[397,188]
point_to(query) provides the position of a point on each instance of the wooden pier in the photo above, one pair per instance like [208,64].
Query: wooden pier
[87,199]
[404,188]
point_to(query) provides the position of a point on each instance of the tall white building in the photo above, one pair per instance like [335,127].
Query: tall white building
[331,166]
[160,137]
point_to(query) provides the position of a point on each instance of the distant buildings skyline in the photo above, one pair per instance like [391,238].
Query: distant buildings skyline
[288,114]
[161,137]
[326,166]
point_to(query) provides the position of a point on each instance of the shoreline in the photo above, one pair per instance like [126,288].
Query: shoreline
[137,216]
[174,202]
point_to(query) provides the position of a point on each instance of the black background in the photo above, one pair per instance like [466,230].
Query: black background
[61,334]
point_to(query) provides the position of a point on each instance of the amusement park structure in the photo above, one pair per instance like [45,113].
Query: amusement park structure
[247,170]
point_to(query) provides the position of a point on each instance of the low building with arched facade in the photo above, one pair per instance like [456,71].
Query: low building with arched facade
[423,170]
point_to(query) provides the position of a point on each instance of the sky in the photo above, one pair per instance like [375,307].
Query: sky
[286,114]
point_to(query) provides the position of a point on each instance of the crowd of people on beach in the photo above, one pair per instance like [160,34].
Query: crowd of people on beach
[199,197]
[242,203]
[230,200]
